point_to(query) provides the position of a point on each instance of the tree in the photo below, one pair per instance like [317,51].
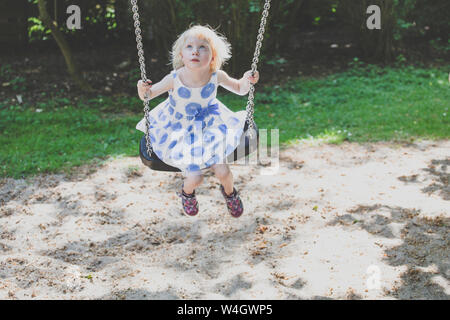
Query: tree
[63,46]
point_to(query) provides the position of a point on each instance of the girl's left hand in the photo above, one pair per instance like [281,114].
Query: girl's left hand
[253,79]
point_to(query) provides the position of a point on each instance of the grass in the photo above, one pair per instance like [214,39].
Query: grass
[58,140]
[364,104]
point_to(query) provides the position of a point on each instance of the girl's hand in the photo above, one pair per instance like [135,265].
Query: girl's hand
[144,89]
[252,79]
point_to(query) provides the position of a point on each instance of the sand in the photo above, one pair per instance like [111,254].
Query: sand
[349,221]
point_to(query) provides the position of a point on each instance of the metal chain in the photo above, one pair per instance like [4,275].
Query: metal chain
[251,93]
[140,48]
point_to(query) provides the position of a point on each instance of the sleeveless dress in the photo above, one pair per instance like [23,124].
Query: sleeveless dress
[191,129]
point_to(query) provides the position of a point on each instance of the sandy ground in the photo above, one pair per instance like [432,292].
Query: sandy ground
[335,222]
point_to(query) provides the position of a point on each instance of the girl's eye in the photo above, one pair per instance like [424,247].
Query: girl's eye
[189,46]
[202,47]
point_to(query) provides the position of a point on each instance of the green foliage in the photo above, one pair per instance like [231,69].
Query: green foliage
[36,30]
[254,6]
[418,20]
[439,45]
[110,18]
[277,60]
[15,83]
[18,83]
[5,71]
[98,20]
[404,22]
[134,75]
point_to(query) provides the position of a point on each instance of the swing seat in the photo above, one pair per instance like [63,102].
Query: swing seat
[245,147]
[152,161]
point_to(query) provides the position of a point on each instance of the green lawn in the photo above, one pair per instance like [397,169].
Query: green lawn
[367,103]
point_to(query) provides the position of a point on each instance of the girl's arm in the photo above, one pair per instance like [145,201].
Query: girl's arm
[240,87]
[155,90]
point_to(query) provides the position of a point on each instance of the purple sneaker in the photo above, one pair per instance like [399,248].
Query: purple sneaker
[189,202]
[234,203]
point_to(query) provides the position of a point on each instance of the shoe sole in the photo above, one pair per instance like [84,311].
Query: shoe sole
[187,215]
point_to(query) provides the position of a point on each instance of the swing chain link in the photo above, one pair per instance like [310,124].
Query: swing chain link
[140,47]
[251,93]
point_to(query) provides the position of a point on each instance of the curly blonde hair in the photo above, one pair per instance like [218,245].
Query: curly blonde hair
[221,49]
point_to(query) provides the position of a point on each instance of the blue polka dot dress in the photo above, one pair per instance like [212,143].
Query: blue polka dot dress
[191,129]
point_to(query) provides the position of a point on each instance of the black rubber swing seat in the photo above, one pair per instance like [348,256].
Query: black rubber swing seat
[246,146]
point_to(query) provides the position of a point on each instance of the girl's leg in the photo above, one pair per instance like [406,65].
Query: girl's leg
[234,202]
[188,199]
[192,182]
[223,173]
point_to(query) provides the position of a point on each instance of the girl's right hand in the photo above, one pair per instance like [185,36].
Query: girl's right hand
[144,89]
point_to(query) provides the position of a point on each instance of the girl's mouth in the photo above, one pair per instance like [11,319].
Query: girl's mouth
[195,60]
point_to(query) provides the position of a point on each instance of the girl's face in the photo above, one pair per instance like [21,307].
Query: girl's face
[196,53]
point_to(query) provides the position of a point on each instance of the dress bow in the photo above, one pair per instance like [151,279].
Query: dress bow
[202,113]
[206,111]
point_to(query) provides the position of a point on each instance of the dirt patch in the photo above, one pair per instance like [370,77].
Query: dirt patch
[345,221]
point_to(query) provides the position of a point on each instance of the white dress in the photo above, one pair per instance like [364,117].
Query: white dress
[191,129]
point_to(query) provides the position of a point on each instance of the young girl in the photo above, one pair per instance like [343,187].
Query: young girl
[191,129]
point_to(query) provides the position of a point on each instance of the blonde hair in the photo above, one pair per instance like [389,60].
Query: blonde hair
[220,48]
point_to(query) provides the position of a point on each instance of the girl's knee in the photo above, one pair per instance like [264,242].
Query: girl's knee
[195,179]
[221,170]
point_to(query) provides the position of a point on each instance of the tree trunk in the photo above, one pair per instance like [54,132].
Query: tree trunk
[63,46]
[122,12]
[385,50]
